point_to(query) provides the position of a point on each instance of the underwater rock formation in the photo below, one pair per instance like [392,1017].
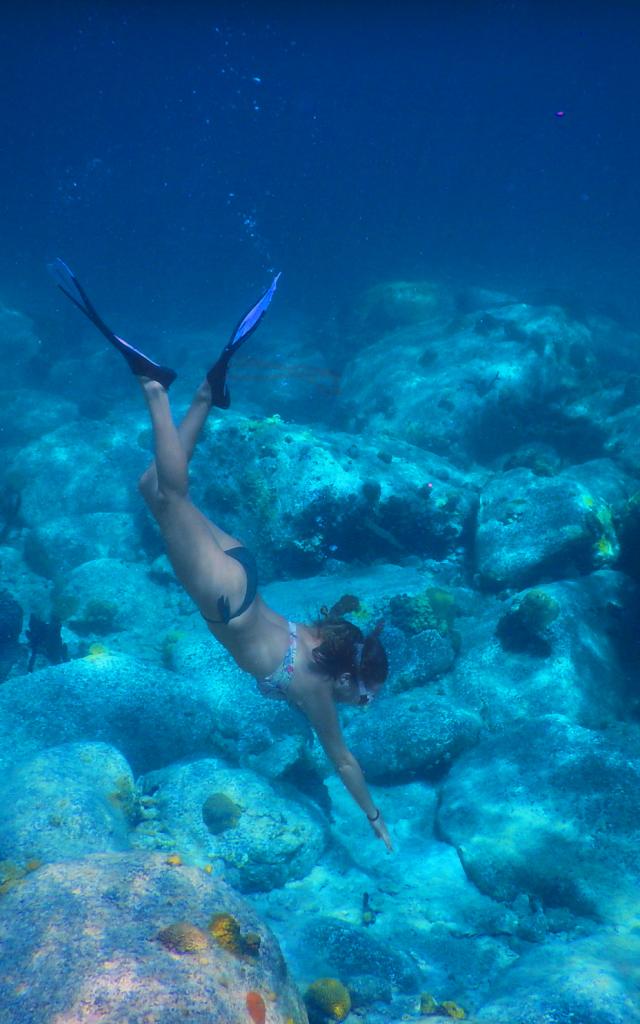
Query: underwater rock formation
[532,528]
[152,716]
[525,625]
[60,544]
[594,980]
[576,668]
[86,472]
[480,496]
[106,923]
[348,497]
[268,841]
[475,385]
[66,802]
[551,809]
[420,733]
[10,629]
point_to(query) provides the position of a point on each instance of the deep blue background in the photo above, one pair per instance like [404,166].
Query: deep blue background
[397,139]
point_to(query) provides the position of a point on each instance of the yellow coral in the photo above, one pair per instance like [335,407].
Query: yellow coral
[226,931]
[97,651]
[428,1004]
[183,937]
[220,812]
[123,796]
[453,1010]
[329,997]
[604,547]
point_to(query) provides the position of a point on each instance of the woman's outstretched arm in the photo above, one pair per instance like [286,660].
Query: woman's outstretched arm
[320,709]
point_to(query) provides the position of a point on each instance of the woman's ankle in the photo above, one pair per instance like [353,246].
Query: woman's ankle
[150,386]
[204,392]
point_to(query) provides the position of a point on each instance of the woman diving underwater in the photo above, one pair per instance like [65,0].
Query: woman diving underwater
[311,666]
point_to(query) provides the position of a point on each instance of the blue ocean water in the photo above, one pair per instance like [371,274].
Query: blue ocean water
[436,426]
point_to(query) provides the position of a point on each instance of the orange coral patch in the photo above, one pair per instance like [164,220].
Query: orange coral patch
[256,1007]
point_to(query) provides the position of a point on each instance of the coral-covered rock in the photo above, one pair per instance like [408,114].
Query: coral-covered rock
[269,839]
[533,528]
[593,980]
[107,596]
[65,802]
[524,626]
[86,466]
[152,716]
[552,810]
[124,937]
[55,547]
[340,949]
[476,385]
[579,666]
[347,497]
[409,734]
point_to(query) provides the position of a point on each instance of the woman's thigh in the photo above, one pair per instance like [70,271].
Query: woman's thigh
[195,547]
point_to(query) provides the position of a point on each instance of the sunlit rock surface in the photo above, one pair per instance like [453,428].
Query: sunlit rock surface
[89,939]
[66,802]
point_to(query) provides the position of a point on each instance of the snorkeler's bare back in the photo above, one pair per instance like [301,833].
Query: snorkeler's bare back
[256,640]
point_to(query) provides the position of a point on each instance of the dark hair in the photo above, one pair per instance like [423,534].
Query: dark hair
[338,652]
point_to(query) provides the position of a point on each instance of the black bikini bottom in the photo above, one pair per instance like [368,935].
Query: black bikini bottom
[248,563]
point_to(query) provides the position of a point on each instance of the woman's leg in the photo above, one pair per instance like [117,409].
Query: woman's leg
[188,431]
[195,546]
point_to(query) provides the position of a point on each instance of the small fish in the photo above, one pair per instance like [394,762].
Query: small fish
[257,1007]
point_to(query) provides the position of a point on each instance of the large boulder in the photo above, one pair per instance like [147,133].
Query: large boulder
[25,415]
[130,938]
[66,802]
[106,596]
[61,543]
[594,980]
[154,716]
[414,734]
[88,466]
[533,528]
[475,385]
[354,498]
[258,838]
[550,810]
[553,649]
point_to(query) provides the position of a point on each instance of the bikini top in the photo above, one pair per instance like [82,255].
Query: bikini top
[277,684]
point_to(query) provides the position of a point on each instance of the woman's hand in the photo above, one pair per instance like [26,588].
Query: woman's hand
[380,830]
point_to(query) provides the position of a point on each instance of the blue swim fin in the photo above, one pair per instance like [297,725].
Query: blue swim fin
[217,375]
[139,364]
